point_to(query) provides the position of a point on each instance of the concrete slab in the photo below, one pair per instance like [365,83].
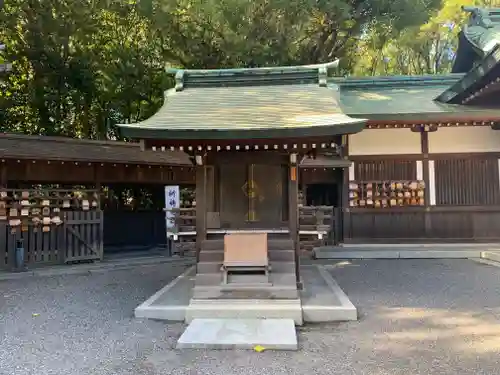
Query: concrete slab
[322,300]
[491,255]
[245,309]
[414,251]
[276,334]
[441,246]
[371,254]
[170,302]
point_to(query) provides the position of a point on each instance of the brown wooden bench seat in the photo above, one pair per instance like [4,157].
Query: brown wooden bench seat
[245,252]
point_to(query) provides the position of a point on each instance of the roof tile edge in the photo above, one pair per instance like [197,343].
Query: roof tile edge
[269,75]
[62,139]
[384,81]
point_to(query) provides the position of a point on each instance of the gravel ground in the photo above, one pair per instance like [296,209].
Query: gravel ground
[417,317]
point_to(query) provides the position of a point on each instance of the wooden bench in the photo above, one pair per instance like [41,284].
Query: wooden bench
[245,252]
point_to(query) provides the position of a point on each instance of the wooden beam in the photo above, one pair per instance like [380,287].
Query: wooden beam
[342,219]
[424,144]
[3,174]
[293,214]
[201,211]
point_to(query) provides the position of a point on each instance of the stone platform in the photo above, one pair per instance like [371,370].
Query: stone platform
[406,251]
[321,300]
[274,334]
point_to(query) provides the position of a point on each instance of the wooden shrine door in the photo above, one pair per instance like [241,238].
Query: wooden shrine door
[253,196]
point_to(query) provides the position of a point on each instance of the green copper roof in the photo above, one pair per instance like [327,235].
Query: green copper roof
[403,98]
[247,103]
[478,55]
[485,72]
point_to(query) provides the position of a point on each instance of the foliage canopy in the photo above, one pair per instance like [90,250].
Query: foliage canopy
[81,66]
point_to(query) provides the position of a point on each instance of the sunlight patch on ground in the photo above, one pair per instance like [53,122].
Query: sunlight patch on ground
[464,331]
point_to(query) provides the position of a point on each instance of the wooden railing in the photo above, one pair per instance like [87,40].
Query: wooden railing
[317,226]
[184,219]
[184,231]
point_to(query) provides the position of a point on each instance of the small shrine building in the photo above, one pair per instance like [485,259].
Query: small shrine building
[420,165]
[247,131]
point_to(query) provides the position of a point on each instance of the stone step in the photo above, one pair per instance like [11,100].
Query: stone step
[276,267]
[274,334]
[257,279]
[275,279]
[246,292]
[245,309]
[274,255]
[272,244]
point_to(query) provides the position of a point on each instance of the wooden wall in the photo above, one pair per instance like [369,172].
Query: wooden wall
[467,181]
[395,169]
[384,142]
[460,167]
[464,139]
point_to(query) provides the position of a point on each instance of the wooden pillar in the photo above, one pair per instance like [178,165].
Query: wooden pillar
[293,211]
[347,176]
[3,174]
[424,143]
[201,212]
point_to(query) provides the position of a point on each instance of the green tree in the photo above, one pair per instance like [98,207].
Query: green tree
[81,66]
[232,33]
[428,48]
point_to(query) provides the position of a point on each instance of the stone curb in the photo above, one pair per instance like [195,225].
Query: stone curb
[486,261]
[395,254]
[492,256]
[489,258]
[88,269]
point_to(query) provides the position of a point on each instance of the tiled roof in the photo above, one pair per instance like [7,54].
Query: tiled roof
[18,146]
[484,74]
[478,56]
[405,99]
[247,103]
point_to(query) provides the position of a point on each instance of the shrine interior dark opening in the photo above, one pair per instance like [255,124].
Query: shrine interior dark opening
[323,195]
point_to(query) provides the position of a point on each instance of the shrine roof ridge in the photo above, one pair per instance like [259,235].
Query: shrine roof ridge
[481,11]
[395,81]
[279,75]
[486,72]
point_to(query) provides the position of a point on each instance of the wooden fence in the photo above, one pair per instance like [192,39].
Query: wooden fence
[78,238]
